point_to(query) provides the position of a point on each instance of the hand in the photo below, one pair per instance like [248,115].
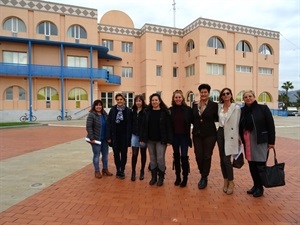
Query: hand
[271,146]
[108,141]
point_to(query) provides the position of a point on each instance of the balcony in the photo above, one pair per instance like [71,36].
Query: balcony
[25,70]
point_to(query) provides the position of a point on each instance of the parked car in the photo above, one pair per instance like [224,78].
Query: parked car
[293,111]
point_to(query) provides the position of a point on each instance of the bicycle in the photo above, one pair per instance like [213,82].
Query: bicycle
[68,117]
[26,117]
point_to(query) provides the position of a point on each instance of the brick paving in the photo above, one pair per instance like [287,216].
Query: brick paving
[80,199]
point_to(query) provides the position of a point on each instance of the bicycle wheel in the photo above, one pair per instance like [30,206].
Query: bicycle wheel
[69,117]
[23,118]
[58,118]
[33,118]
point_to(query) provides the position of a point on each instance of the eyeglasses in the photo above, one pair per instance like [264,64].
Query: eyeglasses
[225,93]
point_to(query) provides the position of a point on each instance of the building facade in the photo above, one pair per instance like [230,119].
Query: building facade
[58,58]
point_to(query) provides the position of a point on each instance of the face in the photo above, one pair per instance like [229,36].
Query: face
[248,98]
[226,95]
[178,99]
[138,103]
[155,102]
[204,94]
[120,101]
[98,108]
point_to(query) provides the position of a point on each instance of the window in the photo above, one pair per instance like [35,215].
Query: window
[215,42]
[22,94]
[78,94]
[158,71]
[215,69]
[48,94]
[175,71]
[190,98]
[265,50]
[266,71]
[126,47]
[243,46]
[77,32]
[175,47]
[214,95]
[108,44]
[15,57]
[190,45]
[14,24]
[129,98]
[107,99]
[239,96]
[47,28]
[243,69]
[77,61]
[158,46]
[126,71]
[9,93]
[190,70]
[264,97]
[110,69]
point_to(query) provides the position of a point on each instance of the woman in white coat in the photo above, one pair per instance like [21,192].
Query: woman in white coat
[228,136]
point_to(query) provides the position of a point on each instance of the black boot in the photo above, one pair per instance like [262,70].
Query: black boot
[153,176]
[185,170]
[161,177]
[135,151]
[176,165]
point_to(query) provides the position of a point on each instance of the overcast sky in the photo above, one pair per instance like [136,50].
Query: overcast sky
[277,15]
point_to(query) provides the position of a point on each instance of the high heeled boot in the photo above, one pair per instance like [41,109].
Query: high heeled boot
[153,176]
[161,177]
[185,170]
[177,166]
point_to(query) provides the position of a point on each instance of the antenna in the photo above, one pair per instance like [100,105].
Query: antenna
[174,13]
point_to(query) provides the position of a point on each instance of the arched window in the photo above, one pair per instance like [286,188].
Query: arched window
[265,49]
[215,42]
[239,96]
[77,32]
[190,98]
[78,94]
[9,93]
[265,97]
[14,24]
[190,45]
[214,95]
[48,94]
[47,28]
[243,46]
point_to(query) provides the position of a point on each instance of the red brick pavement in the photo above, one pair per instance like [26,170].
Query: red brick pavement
[80,199]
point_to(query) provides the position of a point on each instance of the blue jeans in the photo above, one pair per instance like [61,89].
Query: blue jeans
[103,149]
[180,145]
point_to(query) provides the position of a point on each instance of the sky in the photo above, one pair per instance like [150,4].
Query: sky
[277,15]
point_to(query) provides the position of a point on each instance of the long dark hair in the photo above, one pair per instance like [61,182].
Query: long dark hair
[140,97]
[221,93]
[95,103]
[162,105]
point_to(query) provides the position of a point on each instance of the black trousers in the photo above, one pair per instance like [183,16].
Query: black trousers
[203,148]
[120,153]
[253,167]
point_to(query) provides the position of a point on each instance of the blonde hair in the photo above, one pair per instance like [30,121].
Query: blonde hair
[249,91]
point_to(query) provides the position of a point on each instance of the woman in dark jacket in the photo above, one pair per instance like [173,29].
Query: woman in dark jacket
[95,127]
[257,131]
[181,120]
[119,133]
[157,133]
[138,112]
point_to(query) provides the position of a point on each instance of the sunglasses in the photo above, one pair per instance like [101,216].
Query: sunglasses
[225,93]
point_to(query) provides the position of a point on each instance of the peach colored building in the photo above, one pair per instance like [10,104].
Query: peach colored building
[56,58]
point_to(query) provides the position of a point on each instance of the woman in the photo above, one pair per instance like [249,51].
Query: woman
[181,120]
[95,127]
[157,133]
[138,112]
[205,114]
[257,131]
[228,136]
[119,133]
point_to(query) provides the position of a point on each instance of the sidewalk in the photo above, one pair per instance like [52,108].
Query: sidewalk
[49,180]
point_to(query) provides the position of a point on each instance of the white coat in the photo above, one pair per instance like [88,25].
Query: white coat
[231,129]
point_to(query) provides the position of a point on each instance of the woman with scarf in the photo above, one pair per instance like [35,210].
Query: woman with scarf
[118,133]
[257,131]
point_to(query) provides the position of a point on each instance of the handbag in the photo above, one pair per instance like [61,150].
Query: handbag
[238,160]
[272,176]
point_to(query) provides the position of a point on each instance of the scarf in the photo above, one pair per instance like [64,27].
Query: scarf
[248,121]
[119,116]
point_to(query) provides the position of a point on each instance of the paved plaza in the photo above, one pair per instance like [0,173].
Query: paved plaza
[47,178]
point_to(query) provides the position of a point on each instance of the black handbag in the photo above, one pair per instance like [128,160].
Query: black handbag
[239,162]
[272,176]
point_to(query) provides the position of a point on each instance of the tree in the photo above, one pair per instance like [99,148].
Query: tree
[284,99]
[287,86]
[297,95]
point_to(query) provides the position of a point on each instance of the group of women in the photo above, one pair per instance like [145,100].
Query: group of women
[155,126]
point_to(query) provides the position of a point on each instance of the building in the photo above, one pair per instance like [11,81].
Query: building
[57,58]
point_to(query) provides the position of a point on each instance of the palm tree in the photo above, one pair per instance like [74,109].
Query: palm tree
[287,86]
[297,95]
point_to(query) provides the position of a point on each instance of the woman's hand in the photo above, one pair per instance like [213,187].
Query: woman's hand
[271,146]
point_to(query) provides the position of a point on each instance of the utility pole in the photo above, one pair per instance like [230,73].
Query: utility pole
[174,13]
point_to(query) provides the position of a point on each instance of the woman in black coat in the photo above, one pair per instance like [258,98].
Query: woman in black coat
[118,133]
